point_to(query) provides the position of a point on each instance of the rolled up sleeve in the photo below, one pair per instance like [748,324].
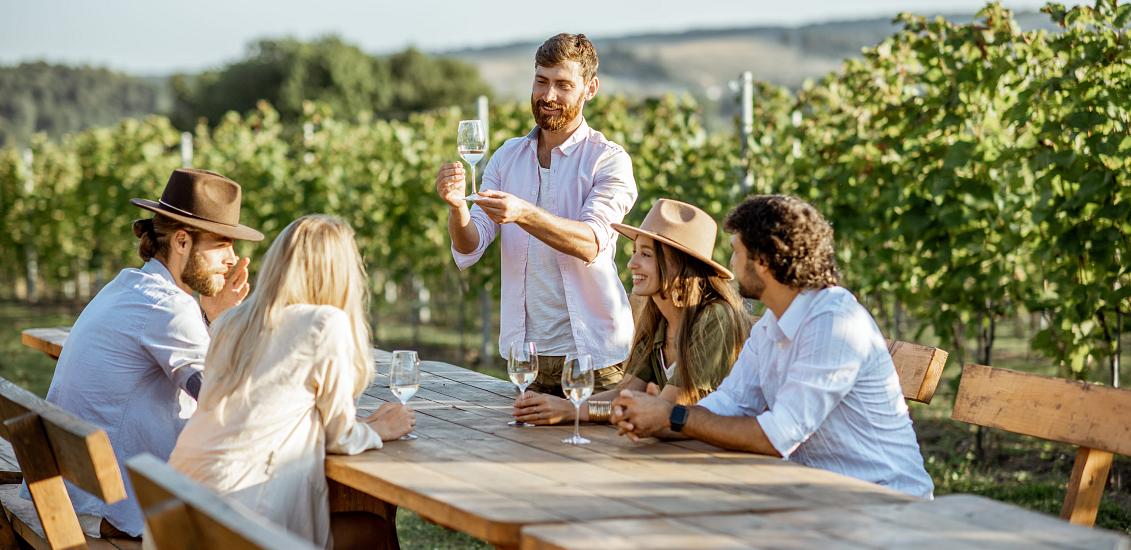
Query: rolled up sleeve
[819,378]
[613,194]
[486,228]
[176,339]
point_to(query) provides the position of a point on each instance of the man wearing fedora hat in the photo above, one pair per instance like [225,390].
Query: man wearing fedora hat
[550,196]
[814,382]
[133,360]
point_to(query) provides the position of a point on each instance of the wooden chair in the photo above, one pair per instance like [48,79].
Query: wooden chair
[919,368]
[181,514]
[51,445]
[1095,418]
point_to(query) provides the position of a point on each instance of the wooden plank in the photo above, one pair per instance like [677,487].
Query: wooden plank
[82,450]
[1082,414]
[187,512]
[919,368]
[47,340]
[56,516]
[956,521]
[9,466]
[1086,486]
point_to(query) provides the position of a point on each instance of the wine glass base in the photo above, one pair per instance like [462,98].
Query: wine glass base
[473,197]
[408,437]
[576,440]
[518,424]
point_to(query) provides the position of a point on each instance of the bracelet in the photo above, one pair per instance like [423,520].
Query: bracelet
[600,411]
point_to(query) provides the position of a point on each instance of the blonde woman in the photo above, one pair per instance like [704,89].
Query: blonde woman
[284,369]
[691,326]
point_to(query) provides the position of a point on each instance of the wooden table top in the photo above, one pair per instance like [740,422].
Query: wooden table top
[471,472]
[952,521]
[47,340]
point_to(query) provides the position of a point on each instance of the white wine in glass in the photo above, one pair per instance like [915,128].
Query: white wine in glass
[404,378]
[522,367]
[577,384]
[471,140]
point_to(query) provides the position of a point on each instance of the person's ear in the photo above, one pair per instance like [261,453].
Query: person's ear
[182,241]
[591,88]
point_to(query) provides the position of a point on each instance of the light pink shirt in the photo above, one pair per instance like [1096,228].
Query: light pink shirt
[593,185]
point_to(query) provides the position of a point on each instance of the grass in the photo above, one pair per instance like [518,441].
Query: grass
[1021,470]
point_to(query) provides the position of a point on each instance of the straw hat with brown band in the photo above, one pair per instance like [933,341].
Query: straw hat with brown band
[205,200]
[681,226]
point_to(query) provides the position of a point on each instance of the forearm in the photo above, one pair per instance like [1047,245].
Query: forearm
[564,235]
[739,433]
[465,238]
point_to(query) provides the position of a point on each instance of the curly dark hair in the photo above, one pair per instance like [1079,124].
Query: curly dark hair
[790,236]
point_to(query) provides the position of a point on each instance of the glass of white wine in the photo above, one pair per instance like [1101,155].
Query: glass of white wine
[577,383]
[522,367]
[472,142]
[404,378]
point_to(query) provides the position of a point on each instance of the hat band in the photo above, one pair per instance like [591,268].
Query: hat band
[190,214]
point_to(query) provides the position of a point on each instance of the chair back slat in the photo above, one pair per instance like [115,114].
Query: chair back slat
[183,514]
[919,368]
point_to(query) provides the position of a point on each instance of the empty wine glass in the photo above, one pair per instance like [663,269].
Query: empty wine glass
[577,383]
[404,378]
[472,142]
[522,367]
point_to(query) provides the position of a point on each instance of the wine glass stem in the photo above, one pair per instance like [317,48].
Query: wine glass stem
[577,421]
[474,187]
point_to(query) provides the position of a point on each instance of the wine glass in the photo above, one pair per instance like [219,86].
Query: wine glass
[577,383]
[404,378]
[522,367]
[472,142]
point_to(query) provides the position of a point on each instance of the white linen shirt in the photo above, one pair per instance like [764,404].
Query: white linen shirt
[265,447]
[593,184]
[124,369]
[821,383]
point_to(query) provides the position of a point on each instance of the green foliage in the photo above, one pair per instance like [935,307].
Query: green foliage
[972,172]
[287,73]
[55,99]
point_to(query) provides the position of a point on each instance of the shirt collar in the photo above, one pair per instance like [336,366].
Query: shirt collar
[579,135]
[154,267]
[798,309]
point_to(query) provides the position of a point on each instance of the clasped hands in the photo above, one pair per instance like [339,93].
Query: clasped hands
[641,414]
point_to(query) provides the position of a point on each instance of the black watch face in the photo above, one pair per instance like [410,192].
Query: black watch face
[678,417]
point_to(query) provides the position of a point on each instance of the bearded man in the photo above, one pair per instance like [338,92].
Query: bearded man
[132,363]
[553,195]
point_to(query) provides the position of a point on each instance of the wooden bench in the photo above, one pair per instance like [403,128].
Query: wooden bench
[919,368]
[1095,418]
[181,514]
[52,445]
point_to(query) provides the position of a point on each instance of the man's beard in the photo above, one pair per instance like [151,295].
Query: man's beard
[197,276]
[754,289]
[554,123]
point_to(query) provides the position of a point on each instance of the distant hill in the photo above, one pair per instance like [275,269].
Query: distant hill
[703,62]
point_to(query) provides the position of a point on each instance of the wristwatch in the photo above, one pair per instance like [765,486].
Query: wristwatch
[678,417]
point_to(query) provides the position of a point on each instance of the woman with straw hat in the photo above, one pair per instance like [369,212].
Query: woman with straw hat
[690,327]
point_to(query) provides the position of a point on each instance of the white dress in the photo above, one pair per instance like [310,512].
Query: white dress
[267,452]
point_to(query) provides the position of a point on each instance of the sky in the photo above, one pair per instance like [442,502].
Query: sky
[155,37]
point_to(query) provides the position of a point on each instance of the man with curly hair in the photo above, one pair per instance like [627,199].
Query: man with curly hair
[814,382]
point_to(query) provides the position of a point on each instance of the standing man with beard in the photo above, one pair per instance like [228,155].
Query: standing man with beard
[814,382]
[132,363]
[553,194]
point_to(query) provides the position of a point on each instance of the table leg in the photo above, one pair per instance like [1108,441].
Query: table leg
[360,520]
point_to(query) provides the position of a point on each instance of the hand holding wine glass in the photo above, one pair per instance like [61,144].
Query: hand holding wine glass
[522,367]
[471,140]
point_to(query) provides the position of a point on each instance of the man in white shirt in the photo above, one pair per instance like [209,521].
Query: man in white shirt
[552,196]
[814,382]
[132,363]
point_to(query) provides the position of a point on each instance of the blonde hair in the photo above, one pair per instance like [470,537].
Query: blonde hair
[313,261]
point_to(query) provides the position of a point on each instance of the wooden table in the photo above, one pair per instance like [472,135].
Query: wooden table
[952,521]
[47,340]
[471,472]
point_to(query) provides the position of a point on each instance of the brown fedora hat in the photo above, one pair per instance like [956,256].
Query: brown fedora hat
[681,226]
[205,200]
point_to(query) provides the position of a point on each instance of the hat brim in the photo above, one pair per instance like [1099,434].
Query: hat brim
[633,232]
[237,232]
